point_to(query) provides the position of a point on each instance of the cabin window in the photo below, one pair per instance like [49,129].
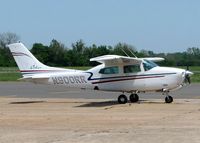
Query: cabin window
[109,70]
[149,65]
[131,68]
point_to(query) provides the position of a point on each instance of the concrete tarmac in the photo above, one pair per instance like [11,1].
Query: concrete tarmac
[30,90]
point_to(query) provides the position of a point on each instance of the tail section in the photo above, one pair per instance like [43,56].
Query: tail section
[24,59]
[28,65]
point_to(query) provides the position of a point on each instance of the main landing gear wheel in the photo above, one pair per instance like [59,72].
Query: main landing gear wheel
[134,98]
[168,99]
[122,99]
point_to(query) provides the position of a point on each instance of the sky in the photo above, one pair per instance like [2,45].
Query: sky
[156,25]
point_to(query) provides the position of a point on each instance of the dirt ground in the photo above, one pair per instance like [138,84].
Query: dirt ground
[45,120]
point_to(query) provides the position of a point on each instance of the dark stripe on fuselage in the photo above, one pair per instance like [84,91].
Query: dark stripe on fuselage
[104,79]
[20,54]
[115,77]
[124,79]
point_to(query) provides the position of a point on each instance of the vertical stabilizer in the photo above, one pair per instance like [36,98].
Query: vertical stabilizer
[24,59]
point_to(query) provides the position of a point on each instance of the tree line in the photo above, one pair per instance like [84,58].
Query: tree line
[57,54]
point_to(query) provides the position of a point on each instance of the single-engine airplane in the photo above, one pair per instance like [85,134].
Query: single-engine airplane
[115,73]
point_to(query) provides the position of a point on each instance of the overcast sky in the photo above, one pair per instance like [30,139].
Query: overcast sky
[157,25]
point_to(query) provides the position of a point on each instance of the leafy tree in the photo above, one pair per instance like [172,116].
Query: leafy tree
[41,52]
[78,56]
[56,53]
[79,46]
[6,58]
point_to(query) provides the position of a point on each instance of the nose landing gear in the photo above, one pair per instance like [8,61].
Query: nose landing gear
[168,98]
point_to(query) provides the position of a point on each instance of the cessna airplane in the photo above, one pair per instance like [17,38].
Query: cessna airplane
[115,73]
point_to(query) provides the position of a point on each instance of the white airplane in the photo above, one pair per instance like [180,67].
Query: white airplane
[115,73]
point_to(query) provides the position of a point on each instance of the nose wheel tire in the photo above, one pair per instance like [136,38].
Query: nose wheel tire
[134,98]
[168,99]
[122,99]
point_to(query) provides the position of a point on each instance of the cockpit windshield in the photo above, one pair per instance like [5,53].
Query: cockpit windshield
[149,65]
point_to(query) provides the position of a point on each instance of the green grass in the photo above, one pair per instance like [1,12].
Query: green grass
[9,76]
[195,78]
[8,69]
[192,68]
[12,74]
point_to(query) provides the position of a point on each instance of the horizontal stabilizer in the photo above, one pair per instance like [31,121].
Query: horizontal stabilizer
[36,79]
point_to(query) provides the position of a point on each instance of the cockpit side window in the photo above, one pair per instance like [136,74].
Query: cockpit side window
[149,65]
[132,68]
[109,70]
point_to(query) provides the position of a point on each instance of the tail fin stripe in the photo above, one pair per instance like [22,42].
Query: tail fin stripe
[20,54]
[27,63]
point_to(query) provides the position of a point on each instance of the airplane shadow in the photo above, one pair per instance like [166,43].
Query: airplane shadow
[26,102]
[99,104]
[94,104]
[111,103]
[149,102]
[156,102]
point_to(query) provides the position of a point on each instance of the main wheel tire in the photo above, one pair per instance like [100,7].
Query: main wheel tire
[134,98]
[168,99]
[122,99]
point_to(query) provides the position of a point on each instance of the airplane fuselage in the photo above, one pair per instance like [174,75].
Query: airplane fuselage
[156,79]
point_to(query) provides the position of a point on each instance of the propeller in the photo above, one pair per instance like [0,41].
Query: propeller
[187,76]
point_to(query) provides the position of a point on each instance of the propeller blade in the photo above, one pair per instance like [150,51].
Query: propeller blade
[187,76]
[188,72]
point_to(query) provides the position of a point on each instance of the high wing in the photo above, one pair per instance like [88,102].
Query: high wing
[116,59]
